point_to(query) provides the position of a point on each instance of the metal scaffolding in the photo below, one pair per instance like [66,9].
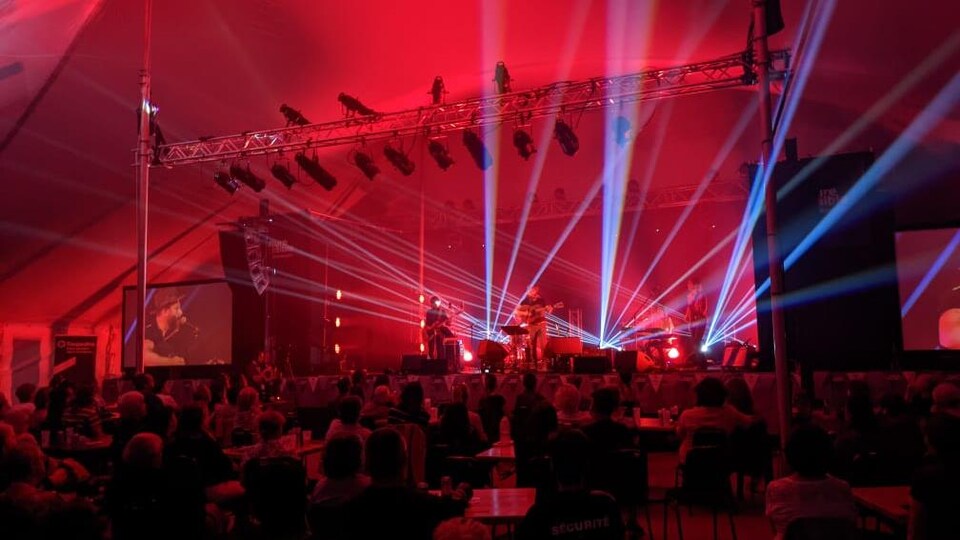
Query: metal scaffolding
[571,97]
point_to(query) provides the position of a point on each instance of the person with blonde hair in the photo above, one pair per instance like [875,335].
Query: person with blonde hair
[461,529]
[567,402]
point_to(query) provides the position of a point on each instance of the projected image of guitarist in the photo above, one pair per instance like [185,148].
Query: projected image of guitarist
[436,327]
[533,312]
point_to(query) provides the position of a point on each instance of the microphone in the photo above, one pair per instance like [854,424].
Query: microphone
[185,324]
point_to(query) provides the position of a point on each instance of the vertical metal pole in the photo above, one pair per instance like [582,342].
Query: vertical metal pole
[143,184]
[770,203]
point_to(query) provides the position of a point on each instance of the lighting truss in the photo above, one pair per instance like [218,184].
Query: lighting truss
[545,101]
[673,197]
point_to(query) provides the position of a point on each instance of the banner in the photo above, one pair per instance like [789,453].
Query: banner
[75,358]
[655,380]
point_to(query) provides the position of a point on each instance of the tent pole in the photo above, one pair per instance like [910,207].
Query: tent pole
[143,185]
[770,203]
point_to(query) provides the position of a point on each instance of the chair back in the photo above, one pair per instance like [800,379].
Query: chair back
[706,473]
[623,474]
[277,492]
[821,528]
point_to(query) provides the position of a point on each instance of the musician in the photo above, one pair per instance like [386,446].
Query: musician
[263,375]
[533,311]
[435,328]
[695,316]
[168,337]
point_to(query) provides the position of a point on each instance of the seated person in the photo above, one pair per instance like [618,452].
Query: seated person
[461,529]
[493,407]
[604,433]
[270,427]
[348,421]
[573,511]
[342,480]
[192,441]
[82,414]
[248,409]
[710,412]
[390,505]
[462,395]
[567,403]
[933,492]
[809,491]
[410,409]
[376,411]
[458,433]
[132,407]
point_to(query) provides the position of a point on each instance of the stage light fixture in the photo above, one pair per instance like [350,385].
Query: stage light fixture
[336,322]
[312,167]
[422,299]
[569,143]
[523,142]
[339,294]
[673,353]
[478,151]
[422,347]
[502,78]
[353,106]
[704,348]
[228,183]
[244,175]
[336,349]
[440,154]
[293,116]
[467,356]
[365,163]
[437,90]
[283,174]
[423,323]
[622,131]
[399,160]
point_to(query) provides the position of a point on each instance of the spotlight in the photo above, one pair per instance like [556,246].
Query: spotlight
[704,348]
[312,167]
[293,116]
[336,322]
[673,353]
[339,294]
[399,160]
[568,140]
[422,299]
[437,90]
[440,154]
[422,347]
[244,175]
[467,356]
[283,174]
[224,180]
[336,349]
[478,151]
[502,78]
[622,130]
[353,106]
[365,163]
[523,142]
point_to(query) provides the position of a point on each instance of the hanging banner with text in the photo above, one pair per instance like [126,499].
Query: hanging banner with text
[75,358]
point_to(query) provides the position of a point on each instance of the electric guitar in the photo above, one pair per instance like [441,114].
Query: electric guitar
[441,327]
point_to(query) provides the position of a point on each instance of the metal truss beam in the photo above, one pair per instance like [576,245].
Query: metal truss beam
[546,101]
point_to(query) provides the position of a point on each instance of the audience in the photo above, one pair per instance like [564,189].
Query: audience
[25,394]
[342,480]
[270,428]
[82,414]
[343,390]
[41,400]
[376,411]
[248,410]
[859,441]
[739,396]
[462,395]
[410,408]
[604,433]
[933,491]
[348,422]
[710,412]
[946,399]
[524,404]
[567,402]
[191,440]
[458,433]
[357,380]
[461,529]
[224,418]
[493,407]
[396,506]
[573,511]
[809,491]
[132,408]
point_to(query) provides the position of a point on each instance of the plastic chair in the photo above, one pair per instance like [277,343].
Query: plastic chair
[624,475]
[704,479]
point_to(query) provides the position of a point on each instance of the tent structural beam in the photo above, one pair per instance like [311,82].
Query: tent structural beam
[559,98]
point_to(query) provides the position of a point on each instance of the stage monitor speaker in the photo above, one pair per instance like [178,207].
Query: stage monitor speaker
[626,361]
[412,363]
[591,364]
[562,346]
[491,355]
[436,366]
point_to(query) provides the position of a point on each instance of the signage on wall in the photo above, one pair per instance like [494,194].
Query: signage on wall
[75,358]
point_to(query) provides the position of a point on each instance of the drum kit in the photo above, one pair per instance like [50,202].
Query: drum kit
[656,348]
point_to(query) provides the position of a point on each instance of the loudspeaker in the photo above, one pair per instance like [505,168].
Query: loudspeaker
[412,363]
[491,355]
[436,366]
[562,346]
[626,362]
[591,364]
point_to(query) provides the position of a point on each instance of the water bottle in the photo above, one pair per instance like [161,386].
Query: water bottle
[504,429]
[446,486]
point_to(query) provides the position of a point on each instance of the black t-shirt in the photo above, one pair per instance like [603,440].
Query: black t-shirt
[935,485]
[386,511]
[607,435]
[585,515]
[214,465]
[179,342]
[435,316]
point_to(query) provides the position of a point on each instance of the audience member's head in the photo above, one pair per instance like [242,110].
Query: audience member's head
[192,419]
[920,393]
[386,455]
[25,392]
[381,380]
[943,437]
[739,396]
[411,397]
[381,395]
[342,457]
[710,393]
[349,410]
[343,386]
[132,406]
[248,400]
[270,425]
[203,394]
[460,393]
[461,528]
[946,399]
[233,394]
[542,422]
[570,454]
[358,377]
[530,381]
[626,377]
[25,463]
[567,399]
[490,383]
[605,402]
[143,383]
[19,419]
[8,439]
[860,407]
[144,451]
[809,452]
[455,423]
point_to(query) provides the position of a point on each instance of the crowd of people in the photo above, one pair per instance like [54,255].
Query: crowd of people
[166,472]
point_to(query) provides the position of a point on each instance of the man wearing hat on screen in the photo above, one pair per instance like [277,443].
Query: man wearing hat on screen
[168,336]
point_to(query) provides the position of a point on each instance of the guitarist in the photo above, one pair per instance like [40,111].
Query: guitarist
[435,328]
[533,311]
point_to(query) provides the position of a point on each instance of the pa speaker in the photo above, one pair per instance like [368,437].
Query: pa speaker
[562,346]
[591,364]
[626,361]
[412,363]
[491,355]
